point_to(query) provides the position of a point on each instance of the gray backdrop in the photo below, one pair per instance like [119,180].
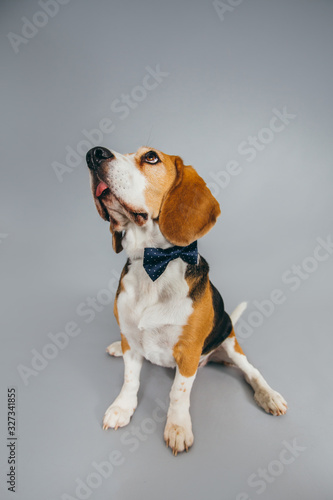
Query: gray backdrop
[242,91]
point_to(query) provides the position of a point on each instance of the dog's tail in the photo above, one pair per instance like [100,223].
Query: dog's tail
[236,313]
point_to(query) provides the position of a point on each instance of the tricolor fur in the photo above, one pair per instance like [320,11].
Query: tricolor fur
[153,200]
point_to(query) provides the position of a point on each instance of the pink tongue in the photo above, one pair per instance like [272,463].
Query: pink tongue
[100,189]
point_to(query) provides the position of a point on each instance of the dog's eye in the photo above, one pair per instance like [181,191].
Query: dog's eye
[151,157]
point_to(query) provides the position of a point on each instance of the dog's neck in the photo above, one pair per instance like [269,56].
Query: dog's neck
[137,238]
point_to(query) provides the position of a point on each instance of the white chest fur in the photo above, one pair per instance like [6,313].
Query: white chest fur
[151,314]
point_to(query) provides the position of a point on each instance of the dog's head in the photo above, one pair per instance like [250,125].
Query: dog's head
[151,186]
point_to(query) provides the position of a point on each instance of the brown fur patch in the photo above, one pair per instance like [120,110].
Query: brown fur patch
[237,346]
[197,277]
[160,177]
[120,289]
[189,210]
[115,310]
[117,237]
[178,197]
[187,350]
[124,344]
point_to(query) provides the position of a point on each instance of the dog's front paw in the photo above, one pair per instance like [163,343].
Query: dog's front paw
[271,401]
[115,417]
[115,349]
[178,437]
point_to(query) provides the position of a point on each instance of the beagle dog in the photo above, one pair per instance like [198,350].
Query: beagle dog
[166,307]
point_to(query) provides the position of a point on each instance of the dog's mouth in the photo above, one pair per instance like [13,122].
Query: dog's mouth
[115,209]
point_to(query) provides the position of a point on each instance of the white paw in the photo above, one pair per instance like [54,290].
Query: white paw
[117,417]
[271,401]
[178,437]
[115,349]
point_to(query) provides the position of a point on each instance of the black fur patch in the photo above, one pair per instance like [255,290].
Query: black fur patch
[222,323]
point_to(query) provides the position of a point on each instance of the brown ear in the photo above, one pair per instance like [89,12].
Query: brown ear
[189,210]
[117,237]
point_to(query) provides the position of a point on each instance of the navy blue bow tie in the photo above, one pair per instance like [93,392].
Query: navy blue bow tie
[155,260]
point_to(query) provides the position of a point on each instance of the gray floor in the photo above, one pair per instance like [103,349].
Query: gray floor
[225,76]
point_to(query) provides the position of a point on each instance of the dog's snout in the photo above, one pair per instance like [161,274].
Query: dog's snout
[95,156]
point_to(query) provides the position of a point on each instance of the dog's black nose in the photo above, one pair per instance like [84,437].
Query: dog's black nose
[95,156]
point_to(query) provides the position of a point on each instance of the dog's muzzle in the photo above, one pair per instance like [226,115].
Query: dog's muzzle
[96,156]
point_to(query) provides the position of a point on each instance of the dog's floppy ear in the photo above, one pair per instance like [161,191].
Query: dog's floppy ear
[189,210]
[117,237]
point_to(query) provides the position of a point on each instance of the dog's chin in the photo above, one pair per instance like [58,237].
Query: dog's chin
[118,212]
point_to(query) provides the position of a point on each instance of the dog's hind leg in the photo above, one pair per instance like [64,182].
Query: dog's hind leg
[231,352]
[222,356]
